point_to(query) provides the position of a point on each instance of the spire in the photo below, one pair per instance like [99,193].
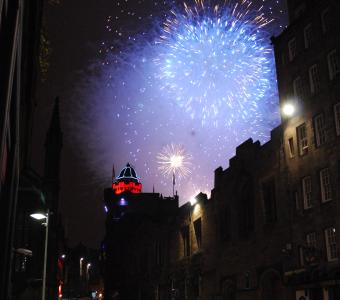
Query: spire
[113,173]
[53,145]
[55,120]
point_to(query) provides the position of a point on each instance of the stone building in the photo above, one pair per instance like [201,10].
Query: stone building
[270,228]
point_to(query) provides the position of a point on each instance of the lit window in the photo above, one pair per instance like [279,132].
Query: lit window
[325,183]
[314,79]
[333,64]
[298,87]
[311,240]
[308,35]
[302,139]
[320,129]
[307,192]
[331,248]
[326,20]
[337,117]
[291,147]
[292,49]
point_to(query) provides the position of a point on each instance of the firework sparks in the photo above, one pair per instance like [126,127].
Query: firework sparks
[150,88]
[173,160]
[217,60]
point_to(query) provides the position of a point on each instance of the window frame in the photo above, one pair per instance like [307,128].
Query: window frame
[333,64]
[323,186]
[198,232]
[319,122]
[298,89]
[307,194]
[311,239]
[303,149]
[329,235]
[291,147]
[308,36]
[314,79]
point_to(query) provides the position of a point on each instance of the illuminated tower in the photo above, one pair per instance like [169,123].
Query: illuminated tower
[126,181]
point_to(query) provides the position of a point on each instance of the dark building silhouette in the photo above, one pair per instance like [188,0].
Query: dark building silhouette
[37,195]
[270,229]
[134,220]
[53,146]
[20,24]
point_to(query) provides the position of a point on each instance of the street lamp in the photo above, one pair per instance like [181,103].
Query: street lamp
[288,109]
[81,266]
[41,216]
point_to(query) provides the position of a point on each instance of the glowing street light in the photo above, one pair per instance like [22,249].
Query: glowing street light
[81,266]
[40,216]
[288,109]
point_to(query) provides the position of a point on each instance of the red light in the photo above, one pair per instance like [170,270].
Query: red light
[121,186]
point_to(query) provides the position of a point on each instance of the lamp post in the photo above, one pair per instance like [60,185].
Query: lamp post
[41,216]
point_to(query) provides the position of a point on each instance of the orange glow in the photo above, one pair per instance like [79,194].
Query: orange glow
[121,186]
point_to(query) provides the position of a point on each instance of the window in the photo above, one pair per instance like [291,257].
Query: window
[186,241]
[301,132]
[333,64]
[269,201]
[298,87]
[307,192]
[308,35]
[198,232]
[331,248]
[314,79]
[320,129]
[337,118]
[291,147]
[325,183]
[311,240]
[326,20]
[292,49]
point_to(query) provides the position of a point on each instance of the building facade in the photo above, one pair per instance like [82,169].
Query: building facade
[270,230]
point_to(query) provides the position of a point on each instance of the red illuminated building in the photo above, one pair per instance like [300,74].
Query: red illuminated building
[127,181]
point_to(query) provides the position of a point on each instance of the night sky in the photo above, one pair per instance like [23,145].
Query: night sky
[140,78]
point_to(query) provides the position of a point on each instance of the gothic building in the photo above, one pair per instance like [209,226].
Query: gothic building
[270,228]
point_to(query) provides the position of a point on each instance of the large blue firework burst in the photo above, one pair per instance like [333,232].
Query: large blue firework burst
[161,77]
[217,63]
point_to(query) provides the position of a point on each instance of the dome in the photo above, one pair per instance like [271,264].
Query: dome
[128,174]
[127,181]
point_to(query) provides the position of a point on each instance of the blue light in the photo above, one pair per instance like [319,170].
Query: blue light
[122,202]
[106,209]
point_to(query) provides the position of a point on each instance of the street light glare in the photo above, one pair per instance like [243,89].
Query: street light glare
[288,109]
[38,216]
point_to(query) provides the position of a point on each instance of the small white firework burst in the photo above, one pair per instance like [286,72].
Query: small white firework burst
[174,161]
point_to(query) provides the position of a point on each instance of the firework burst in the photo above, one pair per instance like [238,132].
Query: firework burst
[217,60]
[173,160]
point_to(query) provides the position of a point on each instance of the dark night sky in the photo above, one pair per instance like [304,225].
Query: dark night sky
[76,29]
